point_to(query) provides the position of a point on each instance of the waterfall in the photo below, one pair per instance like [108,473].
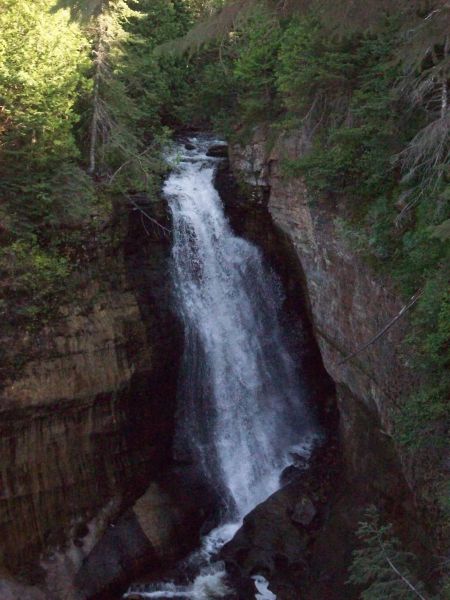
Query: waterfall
[240,395]
[241,409]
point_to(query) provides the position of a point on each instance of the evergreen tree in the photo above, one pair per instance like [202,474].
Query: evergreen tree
[381,567]
[43,63]
[43,69]
[111,107]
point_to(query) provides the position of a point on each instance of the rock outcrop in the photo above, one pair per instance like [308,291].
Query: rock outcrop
[285,538]
[161,527]
[87,420]
[348,304]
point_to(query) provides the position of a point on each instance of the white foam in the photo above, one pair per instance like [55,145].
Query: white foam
[262,585]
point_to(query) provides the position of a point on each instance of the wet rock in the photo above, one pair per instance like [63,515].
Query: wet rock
[299,461]
[11,590]
[298,536]
[304,512]
[268,540]
[162,526]
[123,550]
[189,146]
[218,151]
[290,474]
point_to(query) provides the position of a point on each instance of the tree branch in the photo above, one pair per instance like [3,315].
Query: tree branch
[385,329]
[127,162]
[165,230]
[396,571]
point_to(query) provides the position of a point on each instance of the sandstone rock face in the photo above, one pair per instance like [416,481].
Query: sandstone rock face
[87,420]
[349,304]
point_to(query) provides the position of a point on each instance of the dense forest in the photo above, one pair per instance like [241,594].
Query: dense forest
[91,92]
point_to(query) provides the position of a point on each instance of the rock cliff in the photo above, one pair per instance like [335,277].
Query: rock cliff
[87,417]
[89,494]
[348,304]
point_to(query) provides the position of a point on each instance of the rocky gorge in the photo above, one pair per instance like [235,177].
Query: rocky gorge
[349,304]
[91,496]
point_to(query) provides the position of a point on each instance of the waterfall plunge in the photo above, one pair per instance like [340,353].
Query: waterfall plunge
[240,396]
[241,410]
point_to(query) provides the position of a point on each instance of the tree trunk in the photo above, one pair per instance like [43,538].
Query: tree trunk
[444,89]
[94,125]
[99,52]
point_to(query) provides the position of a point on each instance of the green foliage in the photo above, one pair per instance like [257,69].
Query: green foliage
[254,69]
[214,95]
[424,417]
[380,566]
[43,61]
[43,70]
[81,89]
[33,282]
[349,107]
[314,70]
[157,82]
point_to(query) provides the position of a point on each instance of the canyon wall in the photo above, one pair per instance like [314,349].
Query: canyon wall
[349,304]
[87,416]
[89,494]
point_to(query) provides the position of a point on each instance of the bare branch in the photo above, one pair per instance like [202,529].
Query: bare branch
[166,232]
[396,571]
[385,329]
[127,162]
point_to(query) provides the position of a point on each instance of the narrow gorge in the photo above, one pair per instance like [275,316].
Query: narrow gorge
[224,309]
[158,409]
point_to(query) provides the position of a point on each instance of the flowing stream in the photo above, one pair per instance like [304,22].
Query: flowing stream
[241,412]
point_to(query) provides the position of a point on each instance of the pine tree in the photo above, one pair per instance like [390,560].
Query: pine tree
[43,70]
[112,136]
[381,567]
[111,106]
[43,62]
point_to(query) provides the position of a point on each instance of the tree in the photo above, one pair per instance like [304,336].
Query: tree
[381,566]
[43,63]
[111,107]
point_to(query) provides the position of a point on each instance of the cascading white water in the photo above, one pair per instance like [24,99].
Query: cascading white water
[241,409]
[241,395]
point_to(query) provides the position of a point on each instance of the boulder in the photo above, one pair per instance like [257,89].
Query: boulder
[268,541]
[297,538]
[122,551]
[218,151]
[304,512]
[161,527]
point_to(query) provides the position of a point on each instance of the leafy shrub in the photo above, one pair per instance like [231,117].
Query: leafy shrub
[33,282]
